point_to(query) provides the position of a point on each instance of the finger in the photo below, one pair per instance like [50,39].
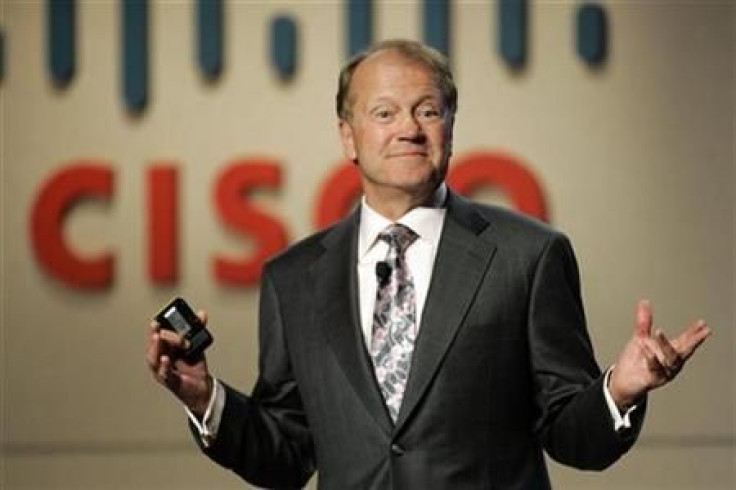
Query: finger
[666,368]
[653,363]
[203,316]
[691,338]
[668,356]
[166,374]
[172,339]
[164,369]
[153,352]
[644,319]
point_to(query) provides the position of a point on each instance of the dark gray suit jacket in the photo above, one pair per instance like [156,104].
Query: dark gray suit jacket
[503,367]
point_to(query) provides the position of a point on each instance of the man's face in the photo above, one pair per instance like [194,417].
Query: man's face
[399,131]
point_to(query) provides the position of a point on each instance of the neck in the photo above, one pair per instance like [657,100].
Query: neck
[393,204]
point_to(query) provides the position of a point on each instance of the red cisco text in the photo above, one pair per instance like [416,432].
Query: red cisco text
[82,180]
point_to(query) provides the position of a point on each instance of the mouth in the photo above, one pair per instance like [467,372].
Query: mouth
[409,154]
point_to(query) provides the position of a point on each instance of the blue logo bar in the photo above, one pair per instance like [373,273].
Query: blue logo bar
[209,37]
[437,25]
[135,54]
[359,26]
[592,34]
[2,55]
[512,31]
[284,36]
[60,22]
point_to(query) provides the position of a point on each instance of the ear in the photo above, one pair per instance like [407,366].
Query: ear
[348,141]
[449,130]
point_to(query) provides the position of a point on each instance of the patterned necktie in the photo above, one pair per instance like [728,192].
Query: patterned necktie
[394,319]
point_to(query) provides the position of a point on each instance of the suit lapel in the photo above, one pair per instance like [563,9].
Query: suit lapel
[336,288]
[462,260]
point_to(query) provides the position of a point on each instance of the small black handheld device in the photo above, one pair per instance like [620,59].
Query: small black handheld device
[179,317]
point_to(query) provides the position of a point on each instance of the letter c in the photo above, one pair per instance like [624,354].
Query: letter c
[55,200]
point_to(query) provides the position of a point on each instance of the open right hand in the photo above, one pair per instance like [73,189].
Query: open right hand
[190,383]
[650,359]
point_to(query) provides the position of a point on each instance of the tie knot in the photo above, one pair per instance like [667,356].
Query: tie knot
[398,237]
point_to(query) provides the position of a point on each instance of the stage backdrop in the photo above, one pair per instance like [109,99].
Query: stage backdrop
[150,152]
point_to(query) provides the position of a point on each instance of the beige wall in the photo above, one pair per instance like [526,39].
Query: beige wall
[637,160]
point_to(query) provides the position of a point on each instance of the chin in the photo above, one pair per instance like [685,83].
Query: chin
[420,185]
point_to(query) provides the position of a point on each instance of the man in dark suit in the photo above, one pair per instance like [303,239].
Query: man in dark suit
[425,342]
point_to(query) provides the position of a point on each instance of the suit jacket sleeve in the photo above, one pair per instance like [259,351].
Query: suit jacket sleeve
[264,437]
[575,424]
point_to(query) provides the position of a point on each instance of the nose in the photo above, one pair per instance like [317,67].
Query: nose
[411,130]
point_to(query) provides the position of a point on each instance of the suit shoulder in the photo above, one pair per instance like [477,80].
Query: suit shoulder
[299,251]
[308,249]
[511,223]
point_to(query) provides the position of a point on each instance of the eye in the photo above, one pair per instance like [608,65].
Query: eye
[382,114]
[428,112]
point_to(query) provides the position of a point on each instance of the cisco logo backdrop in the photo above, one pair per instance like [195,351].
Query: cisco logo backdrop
[160,148]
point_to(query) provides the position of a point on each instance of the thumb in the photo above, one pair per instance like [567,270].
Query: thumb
[643,319]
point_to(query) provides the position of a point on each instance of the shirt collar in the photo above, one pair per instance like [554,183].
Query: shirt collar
[425,221]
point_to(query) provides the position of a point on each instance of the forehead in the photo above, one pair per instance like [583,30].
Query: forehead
[391,72]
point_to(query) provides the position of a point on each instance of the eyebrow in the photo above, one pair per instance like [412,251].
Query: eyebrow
[420,100]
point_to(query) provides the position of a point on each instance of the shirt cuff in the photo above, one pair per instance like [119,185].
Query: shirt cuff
[210,423]
[620,421]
